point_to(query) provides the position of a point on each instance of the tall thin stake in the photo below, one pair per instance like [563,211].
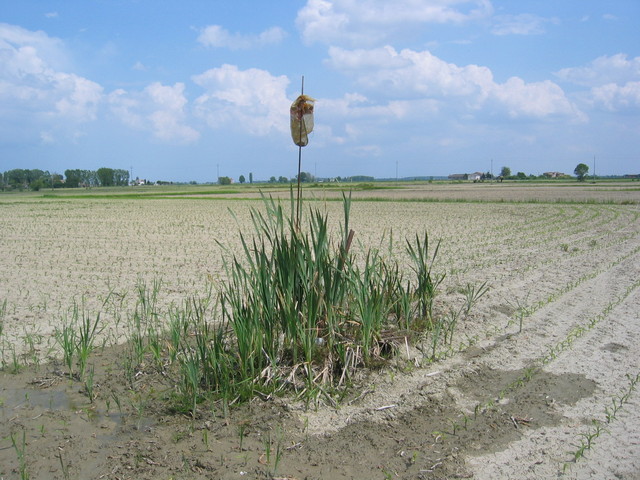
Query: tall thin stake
[299,168]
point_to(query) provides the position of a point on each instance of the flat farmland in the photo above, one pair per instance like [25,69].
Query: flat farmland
[539,380]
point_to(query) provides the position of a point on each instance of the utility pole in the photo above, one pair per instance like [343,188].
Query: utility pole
[396,170]
[594,168]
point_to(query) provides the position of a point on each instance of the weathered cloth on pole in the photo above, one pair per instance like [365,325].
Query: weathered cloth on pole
[301,119]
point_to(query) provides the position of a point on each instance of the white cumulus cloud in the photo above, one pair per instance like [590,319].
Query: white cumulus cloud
[79,97]
[614,97]
[158,108]
[35,91]
[354,116]
[420,75]
[536,99]
[603,70]
[250,100]
[218,37]
[409,73]
[614,82]
[51,51]
[372,22]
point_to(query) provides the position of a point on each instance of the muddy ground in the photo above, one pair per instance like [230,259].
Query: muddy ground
[540,392]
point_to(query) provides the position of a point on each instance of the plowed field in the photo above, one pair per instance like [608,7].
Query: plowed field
[540,380]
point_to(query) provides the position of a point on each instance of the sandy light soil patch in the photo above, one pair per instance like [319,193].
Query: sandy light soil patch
[545,363]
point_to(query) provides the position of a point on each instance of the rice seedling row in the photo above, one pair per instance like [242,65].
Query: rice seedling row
[590,437]
[498,401]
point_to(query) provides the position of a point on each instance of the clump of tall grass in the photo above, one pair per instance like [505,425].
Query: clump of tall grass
[301,311]
[77,338]
[144,327]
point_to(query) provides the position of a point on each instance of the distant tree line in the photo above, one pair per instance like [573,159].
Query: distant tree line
[305,177]
[35,179]
[112,177]
[22,178]
[580,172]
[280,179]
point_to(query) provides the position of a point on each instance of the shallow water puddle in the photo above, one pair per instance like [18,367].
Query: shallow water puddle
[520,403]
[16,403]
[14,399]
[566,388]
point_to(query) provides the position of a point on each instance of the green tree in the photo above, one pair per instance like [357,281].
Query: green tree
[581,171]
[224,180]
[521,175]
[250,177]
[72,178]
[35,174]
[105,176]
[272,179]
[505,172]
[121,177]
[89,178]
[241,179]
[56,180]
[305,177]
[37,184]
[16,177]
[22,177]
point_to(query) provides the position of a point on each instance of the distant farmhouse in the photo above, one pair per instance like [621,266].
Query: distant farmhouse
[554,174]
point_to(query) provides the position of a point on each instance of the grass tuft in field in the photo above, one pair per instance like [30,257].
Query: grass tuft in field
[300,311]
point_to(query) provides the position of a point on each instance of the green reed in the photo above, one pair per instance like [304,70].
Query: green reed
[87,331]
[301,307]
[20,449]
[299,311]
[77,338]
[427,282]
[66,338]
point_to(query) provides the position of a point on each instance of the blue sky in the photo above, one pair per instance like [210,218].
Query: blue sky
[188,90]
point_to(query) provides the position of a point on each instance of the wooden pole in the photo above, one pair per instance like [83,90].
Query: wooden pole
[299,167]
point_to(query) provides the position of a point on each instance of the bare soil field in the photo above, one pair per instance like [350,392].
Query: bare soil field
[540,380]
[557,191]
